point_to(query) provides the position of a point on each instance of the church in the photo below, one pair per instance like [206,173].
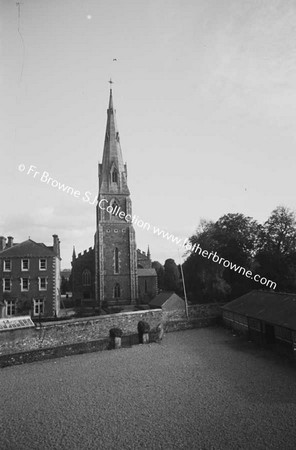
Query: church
[113,272]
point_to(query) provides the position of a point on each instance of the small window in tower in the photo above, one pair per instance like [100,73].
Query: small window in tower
[117,290]
[115,208]
[116,260]
[114,176]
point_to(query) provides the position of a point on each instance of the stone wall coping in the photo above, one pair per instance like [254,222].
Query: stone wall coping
[97,318]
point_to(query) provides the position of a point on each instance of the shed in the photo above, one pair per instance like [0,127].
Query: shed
[168,301]
[265,316]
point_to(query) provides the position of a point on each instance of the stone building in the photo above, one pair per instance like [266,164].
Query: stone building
[30,274]
[113,270]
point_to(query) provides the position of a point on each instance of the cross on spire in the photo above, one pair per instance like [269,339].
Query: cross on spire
[110,82]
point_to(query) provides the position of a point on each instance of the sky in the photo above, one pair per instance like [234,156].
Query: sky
[204,92]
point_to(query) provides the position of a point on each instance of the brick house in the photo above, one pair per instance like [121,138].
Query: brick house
[30,274]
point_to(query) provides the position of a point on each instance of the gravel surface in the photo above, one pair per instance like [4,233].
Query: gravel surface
[198,389]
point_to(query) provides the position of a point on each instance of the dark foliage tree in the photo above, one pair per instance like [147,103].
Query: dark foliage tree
[172,278]
[65,285]
[276,257]
[160,274]
[233,237]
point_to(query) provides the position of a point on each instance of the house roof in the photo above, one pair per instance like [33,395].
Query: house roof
[161,298]
[146,272]
[277,308]
[28,248]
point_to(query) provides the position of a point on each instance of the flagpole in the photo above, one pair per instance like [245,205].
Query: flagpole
[184,288]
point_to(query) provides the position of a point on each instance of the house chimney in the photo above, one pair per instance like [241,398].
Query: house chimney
[56,244]
[2,243]
[9,242]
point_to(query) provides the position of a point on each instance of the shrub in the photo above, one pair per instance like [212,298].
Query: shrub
[115,332]
[143,327]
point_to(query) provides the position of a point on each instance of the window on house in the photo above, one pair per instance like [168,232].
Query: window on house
[7,265]
[25,264]
[24,284]
[116,260]
[86,277]
[42,264]
[6,284]
[38,307]
[117,290]
[10,308]
[42,281]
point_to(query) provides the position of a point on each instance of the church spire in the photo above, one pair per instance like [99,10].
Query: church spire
[110,99]
[74,253]
[112,171]
[148,253]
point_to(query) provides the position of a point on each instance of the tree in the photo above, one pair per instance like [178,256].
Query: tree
[203,278]
[276,257]
[65,285]
[233,237]
[172,279]
[278,234]
[160,274]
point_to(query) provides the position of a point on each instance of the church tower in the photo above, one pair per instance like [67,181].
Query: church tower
[115,244]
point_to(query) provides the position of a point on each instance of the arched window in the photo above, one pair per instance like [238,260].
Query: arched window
[115,208]
[116,260]
[117,290]
[114,176]
[86,277]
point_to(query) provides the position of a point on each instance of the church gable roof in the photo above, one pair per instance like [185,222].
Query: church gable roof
[146,272]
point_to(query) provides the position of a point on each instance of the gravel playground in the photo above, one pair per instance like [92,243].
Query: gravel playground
[198,389]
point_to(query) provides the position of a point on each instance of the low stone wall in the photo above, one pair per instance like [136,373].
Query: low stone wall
[55,334]
[200,311]
[179,325]
[74,335]
[11,359]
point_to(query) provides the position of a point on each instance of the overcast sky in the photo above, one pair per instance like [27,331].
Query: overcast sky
[206,103]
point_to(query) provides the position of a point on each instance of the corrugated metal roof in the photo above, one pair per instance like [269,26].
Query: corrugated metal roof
[28,248]
[277,308]
[146,272]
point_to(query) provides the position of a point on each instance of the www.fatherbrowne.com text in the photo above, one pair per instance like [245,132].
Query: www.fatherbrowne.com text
[103,204]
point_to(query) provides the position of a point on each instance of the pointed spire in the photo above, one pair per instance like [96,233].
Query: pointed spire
[148,253]
[112,171]
[74,253]
[111,97]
